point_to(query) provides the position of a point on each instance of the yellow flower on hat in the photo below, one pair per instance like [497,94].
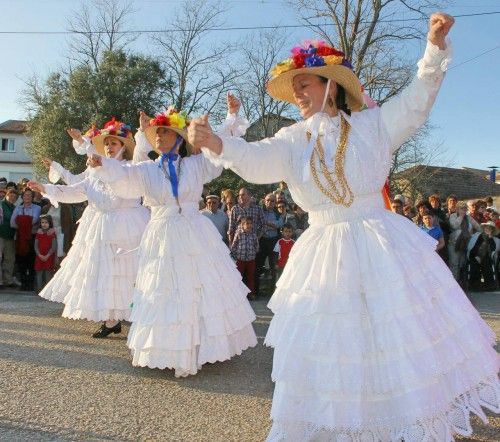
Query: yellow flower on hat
[284,66]
[177,120]
[333,59]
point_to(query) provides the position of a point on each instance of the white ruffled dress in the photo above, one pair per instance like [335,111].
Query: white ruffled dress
[374,340]
[96,279]
[190,305]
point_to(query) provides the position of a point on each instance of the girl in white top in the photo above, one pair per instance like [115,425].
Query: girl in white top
[373,338]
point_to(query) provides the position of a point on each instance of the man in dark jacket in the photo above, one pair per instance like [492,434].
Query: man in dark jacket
[7,245]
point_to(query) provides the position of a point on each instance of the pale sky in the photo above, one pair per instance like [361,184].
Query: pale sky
[466,114]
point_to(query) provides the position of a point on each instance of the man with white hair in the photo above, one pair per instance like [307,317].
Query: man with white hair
[216,215]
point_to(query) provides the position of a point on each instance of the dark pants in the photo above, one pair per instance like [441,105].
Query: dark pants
[266,250]
[42,278]
[247,270]
[27,272]
[486,270]
[483,250]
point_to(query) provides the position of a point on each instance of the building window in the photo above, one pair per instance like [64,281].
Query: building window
[8,145]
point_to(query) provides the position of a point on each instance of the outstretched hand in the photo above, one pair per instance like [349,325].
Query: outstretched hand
[94,160]
[143,120]
[47,162]
[37,187]
[76,135]
[200,135]
[233,104]
[439,26]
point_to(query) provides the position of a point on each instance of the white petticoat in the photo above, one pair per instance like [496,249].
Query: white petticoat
[96,279]
[190,306]
[374,340]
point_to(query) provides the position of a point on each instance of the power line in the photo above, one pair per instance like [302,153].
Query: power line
[239,28]
[474,58]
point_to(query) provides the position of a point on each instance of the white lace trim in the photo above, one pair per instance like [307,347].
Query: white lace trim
[437,428]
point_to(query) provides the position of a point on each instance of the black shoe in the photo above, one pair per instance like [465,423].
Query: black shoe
[104,331]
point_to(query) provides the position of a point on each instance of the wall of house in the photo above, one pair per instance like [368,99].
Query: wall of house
[15,164]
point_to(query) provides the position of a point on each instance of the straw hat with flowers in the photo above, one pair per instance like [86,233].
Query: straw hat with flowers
[172,119]
[115,129]
[318,58]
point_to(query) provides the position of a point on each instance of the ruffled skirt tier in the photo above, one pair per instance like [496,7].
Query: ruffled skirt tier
[96,279]
[374,340]
[190,305]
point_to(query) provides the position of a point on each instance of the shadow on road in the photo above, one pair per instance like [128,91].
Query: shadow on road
[32,332]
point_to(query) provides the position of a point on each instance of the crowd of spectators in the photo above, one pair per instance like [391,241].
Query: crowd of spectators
[467,234]
[259,232]
[253,229]
[23,240]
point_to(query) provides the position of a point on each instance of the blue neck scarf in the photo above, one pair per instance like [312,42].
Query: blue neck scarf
[171,156]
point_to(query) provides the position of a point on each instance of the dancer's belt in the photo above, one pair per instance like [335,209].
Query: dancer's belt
[188,209]
[362,207]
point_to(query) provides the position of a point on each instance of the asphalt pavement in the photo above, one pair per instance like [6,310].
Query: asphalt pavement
[59,384]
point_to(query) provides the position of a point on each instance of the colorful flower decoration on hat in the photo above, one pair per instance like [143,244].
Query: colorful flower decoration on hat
[171,118]
[92,132]
[311,53]
[114,127]
[111,127]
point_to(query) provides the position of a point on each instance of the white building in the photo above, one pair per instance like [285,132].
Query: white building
[15,162]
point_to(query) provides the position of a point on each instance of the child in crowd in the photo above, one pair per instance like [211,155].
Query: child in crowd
[283,247]
[433,230]
[45,249]
[244,249]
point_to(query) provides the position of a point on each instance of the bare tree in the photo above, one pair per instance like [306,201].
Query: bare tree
[99,28]
[372,35]
[260,53]
[408,169]
[200,73]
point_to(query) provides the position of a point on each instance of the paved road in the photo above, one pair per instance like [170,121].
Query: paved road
[58,384]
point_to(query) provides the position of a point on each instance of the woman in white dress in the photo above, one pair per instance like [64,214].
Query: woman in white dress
[373,338]
[190,305]
[96,279]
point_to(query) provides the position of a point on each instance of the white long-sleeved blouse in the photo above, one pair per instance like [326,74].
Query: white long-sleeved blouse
[146,179]
[375,135]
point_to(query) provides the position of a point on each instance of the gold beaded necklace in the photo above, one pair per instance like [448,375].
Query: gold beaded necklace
[341,193]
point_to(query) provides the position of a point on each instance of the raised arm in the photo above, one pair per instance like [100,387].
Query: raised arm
[58,172]
[74,193]
[81,144]
[405,113]
[234,125]
[142,145]
[142,148]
